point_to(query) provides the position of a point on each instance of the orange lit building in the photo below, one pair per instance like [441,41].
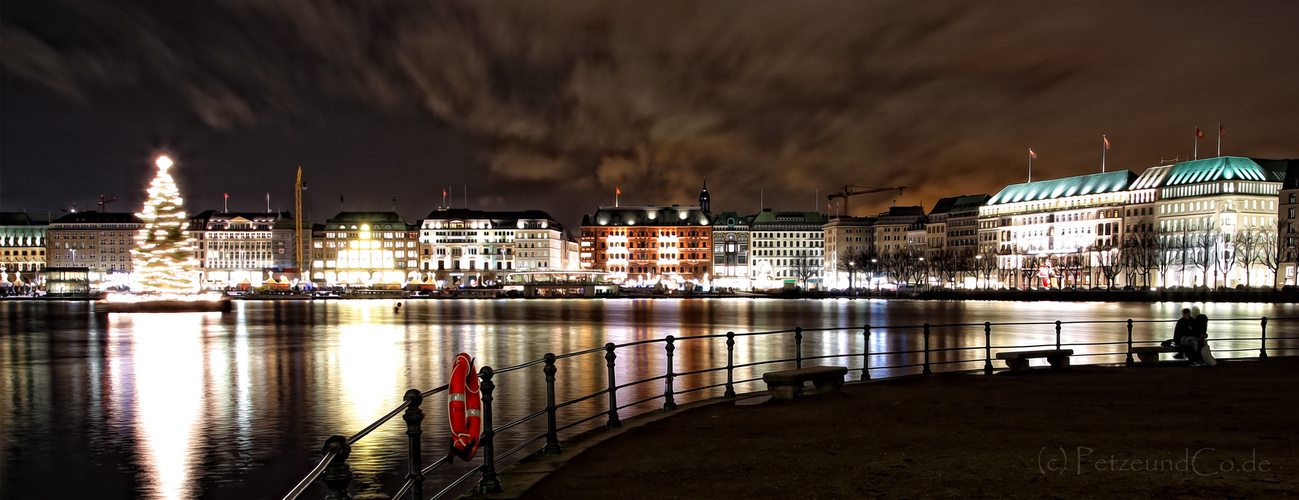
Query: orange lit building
[648,243]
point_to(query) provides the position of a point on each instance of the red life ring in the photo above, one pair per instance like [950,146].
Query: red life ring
[465,408]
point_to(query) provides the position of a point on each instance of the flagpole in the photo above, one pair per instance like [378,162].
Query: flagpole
[1219,138]
[1103,149]
[1195,151]
[1030,164]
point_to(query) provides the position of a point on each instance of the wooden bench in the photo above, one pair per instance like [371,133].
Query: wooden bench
[788,384]
[1149,355]
[1017,361]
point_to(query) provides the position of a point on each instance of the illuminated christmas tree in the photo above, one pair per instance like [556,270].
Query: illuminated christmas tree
[163,256]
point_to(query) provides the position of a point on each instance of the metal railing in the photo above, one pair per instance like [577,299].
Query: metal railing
[334,472]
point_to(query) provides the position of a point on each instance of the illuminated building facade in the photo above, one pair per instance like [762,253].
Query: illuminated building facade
[936,225]
[1212,212]
[648,243]
[22,246]
[962,224]
[98,241]
[731,251]
[366,248]
[238,247]
[787,249]
[468,246]
[891,229]
[849,246]
[1049,232]
[1287,239]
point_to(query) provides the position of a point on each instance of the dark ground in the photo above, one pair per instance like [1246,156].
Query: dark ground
[1092,432]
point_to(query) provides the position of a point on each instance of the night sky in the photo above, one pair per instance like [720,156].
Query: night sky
[551,105]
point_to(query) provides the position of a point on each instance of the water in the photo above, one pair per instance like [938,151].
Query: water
[238,405]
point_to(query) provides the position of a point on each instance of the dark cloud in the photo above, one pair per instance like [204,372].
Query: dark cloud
[579,97]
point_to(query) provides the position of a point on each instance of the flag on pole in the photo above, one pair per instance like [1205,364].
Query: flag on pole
[1107,141]
[1221,132]
[1031,154]
[1199,134]
[617,191]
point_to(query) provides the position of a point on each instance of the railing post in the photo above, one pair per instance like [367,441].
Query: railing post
[1057,334]
[552,434]
[926,371]
[1129,360]
[337,474]
[413,416]
[1262,344]
[669,399]
[609,358]
[798,347]
[987,348]
[866,353]
[730,365]
[489,483]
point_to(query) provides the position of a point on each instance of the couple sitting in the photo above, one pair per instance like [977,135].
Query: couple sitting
[1190,333]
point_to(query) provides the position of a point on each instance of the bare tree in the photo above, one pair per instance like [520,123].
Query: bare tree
[984,265]
[1279,247]
[1205,255]
[1164,257]
[805,267]
[1028,269]
[1248,249]
[1010,271]
[896,266]
[848,263]
[945,265]
[1108,262]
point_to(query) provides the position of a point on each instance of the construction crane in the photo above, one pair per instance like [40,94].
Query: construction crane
[856,190]
[103,202]
[298,188]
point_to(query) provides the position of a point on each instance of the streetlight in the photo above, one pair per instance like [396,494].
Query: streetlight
[978,268]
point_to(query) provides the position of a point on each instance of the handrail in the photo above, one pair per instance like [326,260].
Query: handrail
[336,449]
[311,476]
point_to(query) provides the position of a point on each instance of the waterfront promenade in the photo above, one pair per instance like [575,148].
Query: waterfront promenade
[1093,431]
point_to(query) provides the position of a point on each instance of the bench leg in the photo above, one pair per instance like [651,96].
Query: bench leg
[829,385]
[1058,362]
[1017,365]
[1148,358]
[784,392]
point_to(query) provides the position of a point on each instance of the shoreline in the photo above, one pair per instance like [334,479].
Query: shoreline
[1228,296]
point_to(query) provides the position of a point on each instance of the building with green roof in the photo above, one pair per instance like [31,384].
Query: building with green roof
[787,249]
[1211,214]
[1052,232]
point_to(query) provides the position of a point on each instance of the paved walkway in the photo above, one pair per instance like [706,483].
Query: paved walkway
[1152,432]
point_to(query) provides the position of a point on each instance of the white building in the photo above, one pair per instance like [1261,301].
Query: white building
[731,251]
[1049,233]
[238,247]
[1208,210]
[787,249]
[470,246]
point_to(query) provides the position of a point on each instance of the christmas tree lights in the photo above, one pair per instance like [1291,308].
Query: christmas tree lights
[163,256]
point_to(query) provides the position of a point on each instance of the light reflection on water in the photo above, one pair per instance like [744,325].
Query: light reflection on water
[237,405]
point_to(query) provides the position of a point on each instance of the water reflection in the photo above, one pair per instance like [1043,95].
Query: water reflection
[168,380]
[237,405]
